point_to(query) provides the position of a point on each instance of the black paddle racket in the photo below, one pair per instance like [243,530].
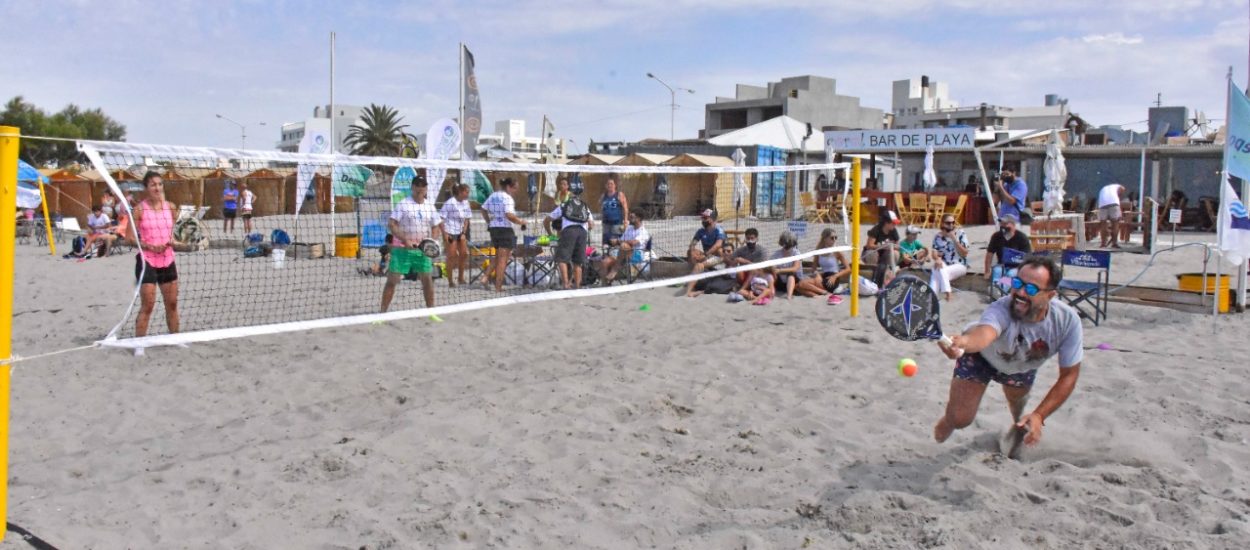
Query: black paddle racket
[908,309]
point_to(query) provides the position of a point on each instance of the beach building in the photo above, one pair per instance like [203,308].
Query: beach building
[343,115]
[925,103]
[808,99]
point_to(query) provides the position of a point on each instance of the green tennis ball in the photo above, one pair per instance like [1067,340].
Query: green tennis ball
[907,367]
[645,307]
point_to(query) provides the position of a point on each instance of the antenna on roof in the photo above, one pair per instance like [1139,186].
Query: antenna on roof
[1159,99]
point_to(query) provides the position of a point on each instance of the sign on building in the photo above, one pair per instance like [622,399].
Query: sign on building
[888,141]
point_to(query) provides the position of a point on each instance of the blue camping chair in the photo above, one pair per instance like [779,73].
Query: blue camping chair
[1001,273]
[1088,298]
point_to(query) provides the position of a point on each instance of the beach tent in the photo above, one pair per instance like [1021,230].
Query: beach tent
[639,188]
[689,193]
[179,189]
[68,193]
[782,132]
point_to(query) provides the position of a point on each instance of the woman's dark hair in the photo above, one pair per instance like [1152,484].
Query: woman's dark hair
[506,183]
[147,178]
[456,189]
[828,232]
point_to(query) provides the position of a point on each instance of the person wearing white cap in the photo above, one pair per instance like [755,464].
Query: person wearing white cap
[881,249]
[706,249]
[912,251]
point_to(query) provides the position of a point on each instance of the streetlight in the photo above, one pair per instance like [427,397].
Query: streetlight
[242,128]
[672,91]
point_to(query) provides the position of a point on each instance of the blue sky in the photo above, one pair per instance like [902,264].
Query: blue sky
[165,68]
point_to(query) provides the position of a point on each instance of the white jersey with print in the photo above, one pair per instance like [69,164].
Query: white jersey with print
[416,221]
[456,215]
[636,234]
[499,204]
[248,198]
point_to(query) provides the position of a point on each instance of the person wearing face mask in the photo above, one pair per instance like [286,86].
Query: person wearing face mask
[706,249]
[1007,236]
[749,253]
[1012,194]
[634,239]
[881,251]
[1015,336]
[950,256]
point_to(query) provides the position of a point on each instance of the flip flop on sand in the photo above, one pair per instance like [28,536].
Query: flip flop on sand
[834,299]
[763,302]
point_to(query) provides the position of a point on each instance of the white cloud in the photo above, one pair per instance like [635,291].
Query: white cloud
[1116,38]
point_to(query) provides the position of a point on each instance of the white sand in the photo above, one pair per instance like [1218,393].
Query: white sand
[591,424]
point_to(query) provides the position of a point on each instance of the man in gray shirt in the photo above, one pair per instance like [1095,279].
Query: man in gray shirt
[751,252]
[1015,336]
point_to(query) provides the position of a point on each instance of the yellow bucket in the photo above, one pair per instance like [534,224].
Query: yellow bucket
[1192,282]
[347,245]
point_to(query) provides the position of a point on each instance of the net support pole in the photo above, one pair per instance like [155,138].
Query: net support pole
[47,220]
[856,175]
[10,138]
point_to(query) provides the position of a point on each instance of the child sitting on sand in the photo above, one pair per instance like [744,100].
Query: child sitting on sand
[759,287]
[385,252]
[913,252]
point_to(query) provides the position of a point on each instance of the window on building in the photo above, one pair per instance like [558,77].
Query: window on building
[732,120]
[771,112]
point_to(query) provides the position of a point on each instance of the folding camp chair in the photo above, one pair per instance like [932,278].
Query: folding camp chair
[1001,274]
[68,225]
[1089,298]
[640,263]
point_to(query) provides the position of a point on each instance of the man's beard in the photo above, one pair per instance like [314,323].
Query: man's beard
[1027,314]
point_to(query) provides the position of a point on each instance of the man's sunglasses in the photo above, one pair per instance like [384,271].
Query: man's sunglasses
[1029,288]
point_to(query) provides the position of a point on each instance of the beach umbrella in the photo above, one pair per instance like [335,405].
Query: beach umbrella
[741,191]
[930,176]
[1056,174]
[28,180]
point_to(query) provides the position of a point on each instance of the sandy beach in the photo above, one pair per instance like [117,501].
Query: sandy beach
[592,424]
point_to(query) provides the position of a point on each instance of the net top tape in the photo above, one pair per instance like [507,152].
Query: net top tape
[204,153]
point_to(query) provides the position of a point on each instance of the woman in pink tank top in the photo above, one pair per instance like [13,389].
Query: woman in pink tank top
[154,265]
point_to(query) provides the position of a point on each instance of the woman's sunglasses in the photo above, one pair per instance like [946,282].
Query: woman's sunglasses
[1029,288]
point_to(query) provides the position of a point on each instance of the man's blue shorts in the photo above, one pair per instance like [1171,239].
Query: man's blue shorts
[974,368]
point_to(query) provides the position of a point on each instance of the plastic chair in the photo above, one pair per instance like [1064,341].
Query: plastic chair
[937,207]
[904,211]
[919,206]
[1088,298]
[958,210]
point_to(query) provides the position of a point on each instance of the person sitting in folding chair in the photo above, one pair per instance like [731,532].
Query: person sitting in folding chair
[98,229]
[634,240]
[1008,236]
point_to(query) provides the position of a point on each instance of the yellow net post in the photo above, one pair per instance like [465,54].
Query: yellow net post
[47,222]
[856,174]
[10,137]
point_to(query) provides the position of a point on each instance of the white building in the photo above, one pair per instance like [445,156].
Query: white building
[924,103]
[344,116]
[510,135]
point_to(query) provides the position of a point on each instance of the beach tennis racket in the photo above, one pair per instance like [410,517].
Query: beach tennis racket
[430,248]
[909,310]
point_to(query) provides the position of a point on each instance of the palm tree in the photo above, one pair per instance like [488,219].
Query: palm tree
[381,134]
